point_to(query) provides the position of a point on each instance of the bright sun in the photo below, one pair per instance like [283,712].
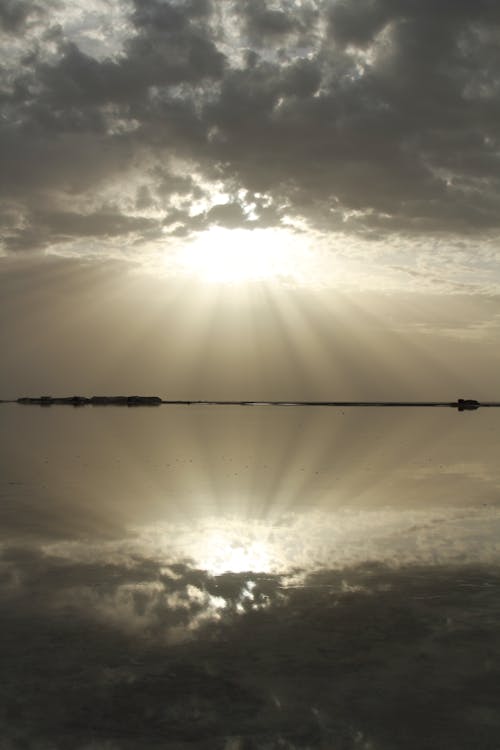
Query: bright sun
[240,255]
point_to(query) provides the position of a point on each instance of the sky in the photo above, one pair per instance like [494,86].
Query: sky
[252,199]
[249,200]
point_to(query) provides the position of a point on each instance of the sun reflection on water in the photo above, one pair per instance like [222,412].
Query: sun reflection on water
[176,578]
[304,542]
[223,552]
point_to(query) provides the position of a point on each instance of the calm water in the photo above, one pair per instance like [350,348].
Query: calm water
[242,578]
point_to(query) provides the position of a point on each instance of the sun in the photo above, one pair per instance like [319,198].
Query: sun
[235,256]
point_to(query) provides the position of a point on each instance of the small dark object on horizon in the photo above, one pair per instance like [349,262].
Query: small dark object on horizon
[467,404]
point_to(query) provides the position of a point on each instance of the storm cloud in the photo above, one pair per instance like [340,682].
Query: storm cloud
[375,117]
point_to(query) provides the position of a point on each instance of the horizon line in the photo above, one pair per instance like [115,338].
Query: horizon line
[461,404]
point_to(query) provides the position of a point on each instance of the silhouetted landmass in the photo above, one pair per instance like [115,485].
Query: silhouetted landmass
[93,400]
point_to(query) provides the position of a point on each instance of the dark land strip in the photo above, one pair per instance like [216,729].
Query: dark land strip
[134,401]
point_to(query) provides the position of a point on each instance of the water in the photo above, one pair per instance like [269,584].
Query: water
[235,578]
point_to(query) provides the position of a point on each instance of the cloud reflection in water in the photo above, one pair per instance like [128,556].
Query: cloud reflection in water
[168,580]
[117,655]
[307,541]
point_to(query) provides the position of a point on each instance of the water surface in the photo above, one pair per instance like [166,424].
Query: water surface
[193,577]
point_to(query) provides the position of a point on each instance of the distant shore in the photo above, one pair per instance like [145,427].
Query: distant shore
[461,404]
[92,400]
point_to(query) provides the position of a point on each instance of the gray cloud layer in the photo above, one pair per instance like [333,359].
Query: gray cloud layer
[369,116]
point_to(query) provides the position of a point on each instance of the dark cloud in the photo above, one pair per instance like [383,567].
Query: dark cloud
[362,657]
[110,223]
[14,13]
[357,22]
[61,226]
[227,215]
[284,27]
[268,22]
[162,16]
[371,115]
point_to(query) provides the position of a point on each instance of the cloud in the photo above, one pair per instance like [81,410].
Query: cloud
[263,22]
[372,119]
[13,15]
